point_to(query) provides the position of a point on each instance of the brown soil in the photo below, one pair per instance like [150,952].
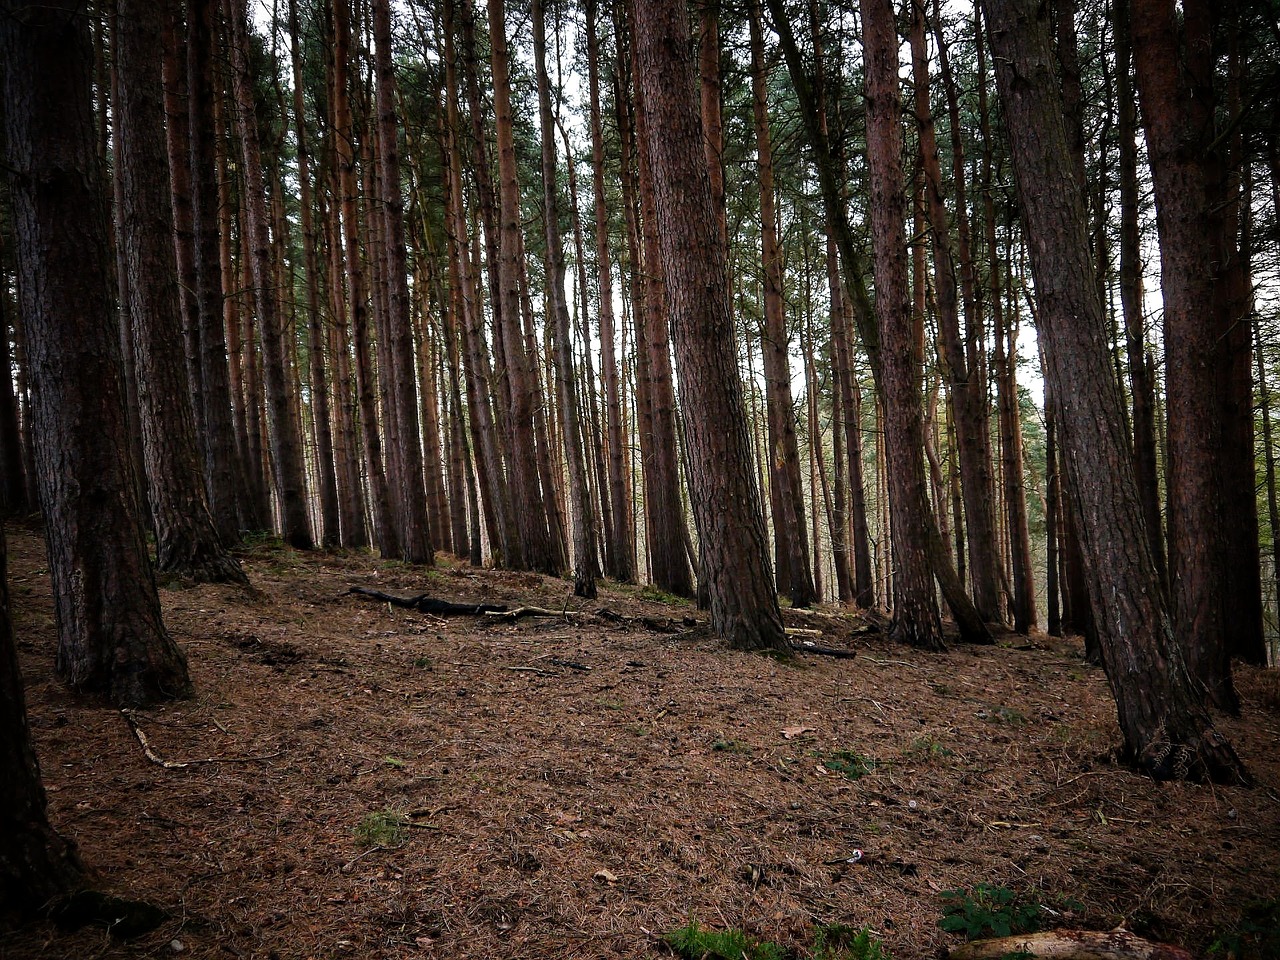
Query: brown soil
[563,812]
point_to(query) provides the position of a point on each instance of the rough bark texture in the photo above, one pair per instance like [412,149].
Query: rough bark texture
[37,865]
[1178,125]
[744,607]
[110,636]
[915,606]
[1166,731]
[187,543]
[282,427]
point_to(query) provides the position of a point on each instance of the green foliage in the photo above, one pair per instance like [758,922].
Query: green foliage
[658,595]
[927,748]
[848,763]
[1255,937]
[836,941]
[731,746]
[987,910]
[695,942]
[384,828]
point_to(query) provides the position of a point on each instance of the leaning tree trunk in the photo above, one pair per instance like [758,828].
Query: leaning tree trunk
[726,501]
[110,635]
[37,865]
[187,543]
[1166,730]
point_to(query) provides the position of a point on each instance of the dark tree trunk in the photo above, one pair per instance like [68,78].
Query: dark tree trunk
[582,513]
[187,543]
[110,635]
[37,865]
[792,544]
[915,605]
[13,466]
[285,442]
[416,534]
[1166,731]
[528,498]
[224,468]
[1177,103]
[744,607]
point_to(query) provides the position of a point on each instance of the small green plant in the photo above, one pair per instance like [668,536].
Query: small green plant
[394,762]
[423,663]
[658,595]
[987,910]
[1256,935]
[927,748]
[1003,714]
[848,763]
[731,746]
[384,828]
[696,942]
[837,941]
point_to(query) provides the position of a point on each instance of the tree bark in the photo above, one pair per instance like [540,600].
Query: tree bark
[37,865]
[1166,731]
[110,635]
[187,543]
[744,607]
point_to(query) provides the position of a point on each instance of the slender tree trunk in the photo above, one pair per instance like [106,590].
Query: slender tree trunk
[13,466]
[187,543]
[528,499]
[1141,373]
[286,445]
[965,386]
[322,417]
[1166,731]
[709,85]
[110,635]
[744,607]
[582,512]
[792,543]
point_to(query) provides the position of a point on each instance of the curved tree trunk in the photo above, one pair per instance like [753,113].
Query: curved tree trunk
[110,635]
[744,606]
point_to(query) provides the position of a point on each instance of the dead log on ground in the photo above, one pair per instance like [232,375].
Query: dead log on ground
[424,603]
[1071,945]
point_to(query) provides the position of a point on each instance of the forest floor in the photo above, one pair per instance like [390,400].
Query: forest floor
[363,781]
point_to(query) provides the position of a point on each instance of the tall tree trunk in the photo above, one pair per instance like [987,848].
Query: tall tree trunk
[37,865]
[528,499]
[187,543]
[110,635]
[1177,97]
[582,512]
[1166,731]
[792,544]
[286,444]
[667,530]
[321,414]
[620,553]
[709,85]
[13,466]
[915,605]
[1141,370]
[744,607]
[965,385]
[416,534]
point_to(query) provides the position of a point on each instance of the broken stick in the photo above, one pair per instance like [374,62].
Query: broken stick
[1071,945]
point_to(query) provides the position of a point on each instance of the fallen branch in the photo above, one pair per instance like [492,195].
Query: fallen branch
[424,603]
[649,623]
[181,764]
[518,613]
[801,632]
[824,651]
[1071,945]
